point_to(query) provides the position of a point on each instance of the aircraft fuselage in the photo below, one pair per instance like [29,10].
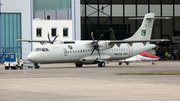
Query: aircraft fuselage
[80,53]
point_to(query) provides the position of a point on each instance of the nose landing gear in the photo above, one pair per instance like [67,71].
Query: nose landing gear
[36,66]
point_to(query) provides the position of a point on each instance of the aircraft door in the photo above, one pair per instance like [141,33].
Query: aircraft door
[130,50]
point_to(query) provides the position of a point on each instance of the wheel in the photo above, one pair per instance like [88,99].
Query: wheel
[127,63]
[120,63]
[21,67]
[16,67]
[36,66]
[6,67]
[101,64]
[79,65]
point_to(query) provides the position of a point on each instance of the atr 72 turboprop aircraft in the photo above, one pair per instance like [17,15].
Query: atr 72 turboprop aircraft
[83,52]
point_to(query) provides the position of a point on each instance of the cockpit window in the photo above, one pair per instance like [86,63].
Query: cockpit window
[38,49]
[47,49]
[42,49]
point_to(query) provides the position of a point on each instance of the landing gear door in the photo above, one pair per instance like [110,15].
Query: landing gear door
[130,50]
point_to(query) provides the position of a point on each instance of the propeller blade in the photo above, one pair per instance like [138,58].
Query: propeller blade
[92,36]
[100,37]
[98,51]
[49,37]
[54,39]
[93,51]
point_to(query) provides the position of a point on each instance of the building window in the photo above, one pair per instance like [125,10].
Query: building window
[65,32]
[53,31]
[38,32]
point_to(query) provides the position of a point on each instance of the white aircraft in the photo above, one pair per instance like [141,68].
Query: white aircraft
[83,52]
[145,56]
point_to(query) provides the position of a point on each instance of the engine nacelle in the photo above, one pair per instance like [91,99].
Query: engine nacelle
[94,59]
[103,45]
[88,60]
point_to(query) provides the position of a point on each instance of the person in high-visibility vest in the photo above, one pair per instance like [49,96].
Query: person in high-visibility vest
[166,53]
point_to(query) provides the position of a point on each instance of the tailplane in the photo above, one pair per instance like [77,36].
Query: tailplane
[145,30]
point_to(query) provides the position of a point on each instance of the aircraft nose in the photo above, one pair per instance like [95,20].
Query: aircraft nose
[31,57]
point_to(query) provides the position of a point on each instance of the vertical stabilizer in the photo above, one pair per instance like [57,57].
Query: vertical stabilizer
[145,30]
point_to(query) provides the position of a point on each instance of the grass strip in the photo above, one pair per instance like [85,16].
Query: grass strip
[148,73]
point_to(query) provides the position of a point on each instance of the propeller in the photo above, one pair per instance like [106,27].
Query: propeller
[95,44]
[51,42]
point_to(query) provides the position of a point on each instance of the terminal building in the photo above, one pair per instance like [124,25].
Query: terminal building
[76,19]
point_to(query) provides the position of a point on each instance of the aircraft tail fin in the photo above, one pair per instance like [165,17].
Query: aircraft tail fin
[145,30]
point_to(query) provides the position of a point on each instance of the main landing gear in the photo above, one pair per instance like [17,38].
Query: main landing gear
[127,63]
[101,64]
[79,65]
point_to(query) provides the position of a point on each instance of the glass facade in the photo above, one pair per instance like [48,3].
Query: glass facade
[10,25]
[118,12]
[43,5]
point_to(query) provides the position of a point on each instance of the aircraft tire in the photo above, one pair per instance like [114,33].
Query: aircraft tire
[127,63]
[120,63]
[101,64]
[21,67]
[16,67]
[6,67]
[79,65]
[37,67]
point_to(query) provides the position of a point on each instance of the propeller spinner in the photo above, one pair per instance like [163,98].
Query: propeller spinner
[95,44]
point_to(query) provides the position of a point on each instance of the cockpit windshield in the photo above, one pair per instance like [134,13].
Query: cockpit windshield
[41,49]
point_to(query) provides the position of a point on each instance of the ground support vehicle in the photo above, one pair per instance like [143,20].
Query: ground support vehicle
[12,60]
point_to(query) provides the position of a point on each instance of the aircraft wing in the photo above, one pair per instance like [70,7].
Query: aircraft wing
[44,41]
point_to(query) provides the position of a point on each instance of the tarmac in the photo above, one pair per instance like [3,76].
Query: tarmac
[65,82]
